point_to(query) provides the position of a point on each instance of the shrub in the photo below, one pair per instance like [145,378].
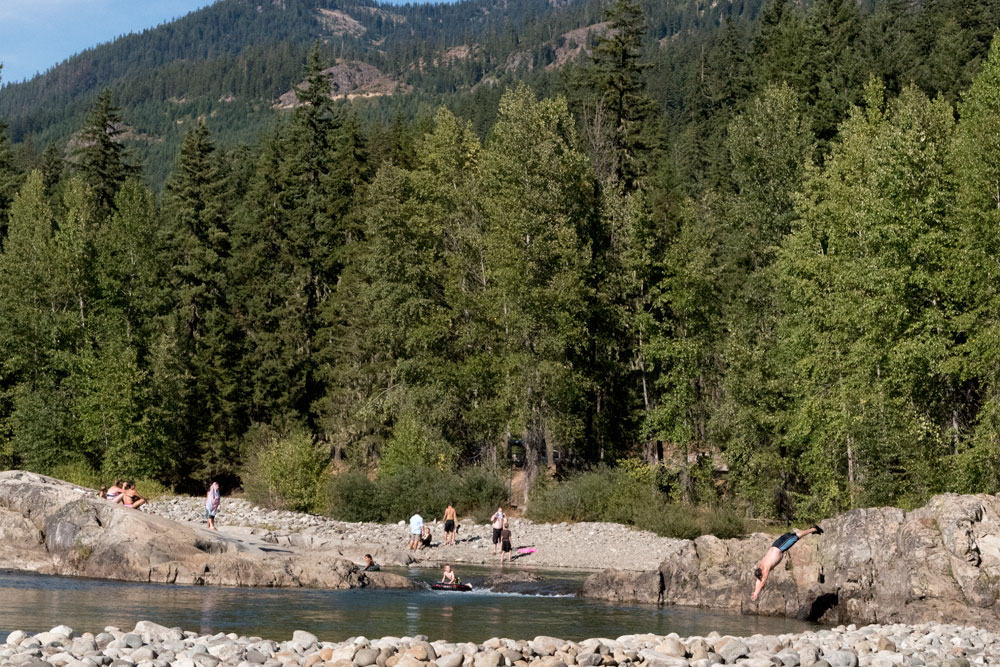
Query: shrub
[354,497]
[623,496]
[425,489]
[414,445]
[286,471]
[80,473]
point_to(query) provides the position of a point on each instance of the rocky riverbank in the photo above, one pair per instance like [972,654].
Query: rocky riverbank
[152,645]
[53,527]
[580,546]
[940,562]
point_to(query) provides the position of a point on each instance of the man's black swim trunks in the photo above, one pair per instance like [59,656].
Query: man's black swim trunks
[785,542]
[449,526]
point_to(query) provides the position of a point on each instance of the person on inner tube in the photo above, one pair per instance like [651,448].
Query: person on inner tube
[774,555]
[448,576]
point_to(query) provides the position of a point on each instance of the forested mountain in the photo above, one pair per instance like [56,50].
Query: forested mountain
[704,236]
[233,60]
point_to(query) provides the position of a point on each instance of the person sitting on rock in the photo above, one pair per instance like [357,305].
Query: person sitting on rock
[129,497]
[370,564]
[425,536]
[114,492]
[448,576]
[774,555]
[103,492]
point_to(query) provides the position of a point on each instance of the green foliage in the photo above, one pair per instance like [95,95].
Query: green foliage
[621,496]
[411,446]
[721,247]
[474,491]
[286,470]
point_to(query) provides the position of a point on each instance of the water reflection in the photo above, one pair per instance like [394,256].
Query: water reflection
[35,603]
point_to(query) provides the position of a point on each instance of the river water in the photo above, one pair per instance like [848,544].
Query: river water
[35,603]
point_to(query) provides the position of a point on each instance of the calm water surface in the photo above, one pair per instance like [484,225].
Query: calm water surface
[35,603]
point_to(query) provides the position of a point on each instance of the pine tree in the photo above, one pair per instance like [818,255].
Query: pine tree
[621,105]
[286,241]
[196,315]
[10,179]
[99,156]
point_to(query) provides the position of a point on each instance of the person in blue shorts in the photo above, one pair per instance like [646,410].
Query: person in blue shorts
[774,555]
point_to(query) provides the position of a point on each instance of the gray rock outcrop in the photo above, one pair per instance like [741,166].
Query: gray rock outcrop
[53,527]
[881,565]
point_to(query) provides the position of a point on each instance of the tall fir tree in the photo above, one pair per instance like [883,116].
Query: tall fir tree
[195,311]
[621,108]
[99,157]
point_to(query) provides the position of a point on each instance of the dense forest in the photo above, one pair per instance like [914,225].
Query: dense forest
[760,258]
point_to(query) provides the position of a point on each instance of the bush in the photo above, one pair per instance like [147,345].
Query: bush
[414,445]
[622,496]
[80,473]
[286,471]
[425,489]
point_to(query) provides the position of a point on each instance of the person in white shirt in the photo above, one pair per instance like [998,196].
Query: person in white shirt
[416,525]
[497,520]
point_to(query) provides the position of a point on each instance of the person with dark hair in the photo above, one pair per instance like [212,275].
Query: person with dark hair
[370,564]
[130,497]
[115,491]
[505,546]
[774,555]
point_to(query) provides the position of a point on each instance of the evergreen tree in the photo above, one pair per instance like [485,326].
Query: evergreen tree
[621,107]
[196,315]
[286,241]
[9,176]
[99,156]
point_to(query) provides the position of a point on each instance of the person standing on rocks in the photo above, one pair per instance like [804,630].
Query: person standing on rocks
[505,547]
[450,518]
[212,500]
[416,527]
[497,521]
[774,555]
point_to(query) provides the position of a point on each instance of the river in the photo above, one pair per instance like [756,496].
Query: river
[35,603]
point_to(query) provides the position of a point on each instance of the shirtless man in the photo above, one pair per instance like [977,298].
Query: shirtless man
[775,554]
[448,576]
[450,518]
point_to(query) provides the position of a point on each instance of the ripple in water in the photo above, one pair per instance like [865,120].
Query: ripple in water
[548,607]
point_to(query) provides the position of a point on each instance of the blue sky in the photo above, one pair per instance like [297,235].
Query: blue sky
[37,34]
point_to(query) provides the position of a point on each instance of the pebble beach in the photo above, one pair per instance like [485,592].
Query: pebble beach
[577,546]
[153,645]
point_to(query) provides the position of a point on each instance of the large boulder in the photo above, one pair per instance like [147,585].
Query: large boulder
[53,527]
[880,565]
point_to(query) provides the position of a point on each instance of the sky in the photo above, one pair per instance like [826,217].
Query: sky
[37,34]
